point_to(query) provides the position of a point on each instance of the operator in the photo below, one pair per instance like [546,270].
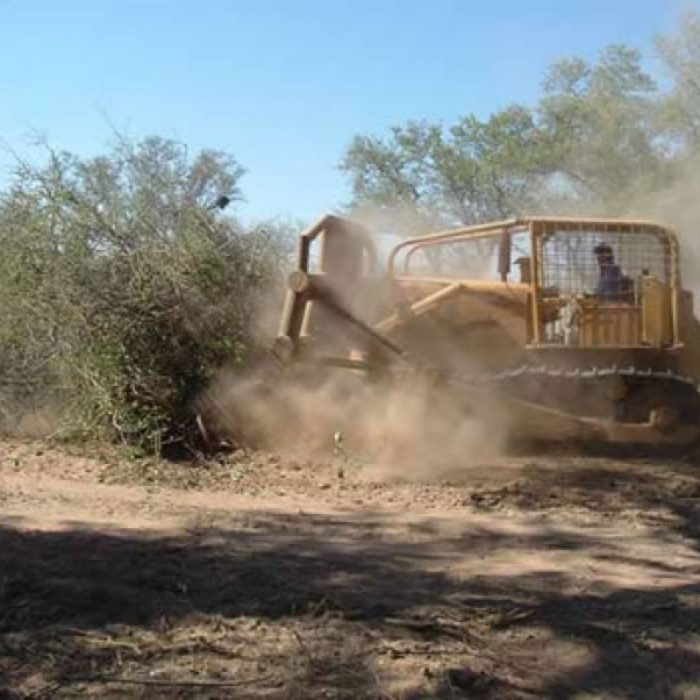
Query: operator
[610,279]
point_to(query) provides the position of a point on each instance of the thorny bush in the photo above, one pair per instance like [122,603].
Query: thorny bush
[124,287]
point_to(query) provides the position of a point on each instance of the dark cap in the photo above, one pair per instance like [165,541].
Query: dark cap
[603,249]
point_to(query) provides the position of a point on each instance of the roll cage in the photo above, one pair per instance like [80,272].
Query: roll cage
[561,266]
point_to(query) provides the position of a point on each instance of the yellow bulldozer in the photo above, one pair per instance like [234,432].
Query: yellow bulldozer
[577,329]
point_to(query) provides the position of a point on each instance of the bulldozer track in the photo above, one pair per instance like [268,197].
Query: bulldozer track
[582,392]
[531,370]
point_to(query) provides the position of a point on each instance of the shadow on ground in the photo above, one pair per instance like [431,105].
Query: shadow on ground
[296,606]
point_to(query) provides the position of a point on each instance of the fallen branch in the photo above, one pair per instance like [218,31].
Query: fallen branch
[161,682]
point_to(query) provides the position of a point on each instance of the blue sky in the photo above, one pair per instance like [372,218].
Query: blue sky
[285,84]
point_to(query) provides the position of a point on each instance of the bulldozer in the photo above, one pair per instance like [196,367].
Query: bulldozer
[576,329]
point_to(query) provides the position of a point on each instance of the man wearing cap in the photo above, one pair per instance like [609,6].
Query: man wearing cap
[610,279]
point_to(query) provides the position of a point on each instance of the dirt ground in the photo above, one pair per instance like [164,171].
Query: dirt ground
[262,577]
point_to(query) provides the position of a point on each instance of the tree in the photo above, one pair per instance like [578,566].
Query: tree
[473,171]
[599,123]
[680,54]
[592,140]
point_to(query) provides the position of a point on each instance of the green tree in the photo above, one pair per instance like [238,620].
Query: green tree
[473,171]
[592,140]
[599,123]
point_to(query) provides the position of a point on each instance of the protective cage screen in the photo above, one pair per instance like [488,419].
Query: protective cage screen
[570,266]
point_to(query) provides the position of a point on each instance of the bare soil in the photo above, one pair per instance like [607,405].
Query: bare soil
[259,576]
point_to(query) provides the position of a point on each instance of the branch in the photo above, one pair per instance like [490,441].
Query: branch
[161,682]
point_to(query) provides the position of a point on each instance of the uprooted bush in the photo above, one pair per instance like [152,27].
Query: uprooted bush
[123,287]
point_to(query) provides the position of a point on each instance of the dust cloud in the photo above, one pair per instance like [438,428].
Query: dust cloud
[677,205]
[402,427]
[404,423]
[408,427]
[674,203]
[397,219]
